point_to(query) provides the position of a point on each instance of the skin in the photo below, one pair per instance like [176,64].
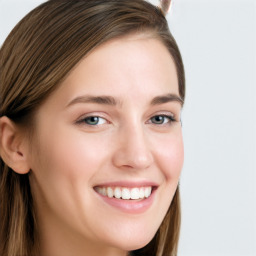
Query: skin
[69,157]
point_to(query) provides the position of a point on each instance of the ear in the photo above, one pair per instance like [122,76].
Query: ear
[13,146]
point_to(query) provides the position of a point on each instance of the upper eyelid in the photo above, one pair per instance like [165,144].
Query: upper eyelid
[164,113]
[92,114]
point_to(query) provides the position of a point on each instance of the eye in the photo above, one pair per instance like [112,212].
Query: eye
[93,120]
[162,119]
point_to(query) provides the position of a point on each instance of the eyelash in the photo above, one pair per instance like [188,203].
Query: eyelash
[170,120]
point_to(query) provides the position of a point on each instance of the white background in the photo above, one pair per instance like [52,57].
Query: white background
[217,39]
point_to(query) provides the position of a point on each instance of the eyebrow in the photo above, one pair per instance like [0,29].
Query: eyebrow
[102,100]
[111,101]
[167,98]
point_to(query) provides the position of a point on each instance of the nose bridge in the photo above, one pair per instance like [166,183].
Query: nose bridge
[133,149]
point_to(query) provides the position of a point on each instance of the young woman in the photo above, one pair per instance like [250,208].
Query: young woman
[90,135]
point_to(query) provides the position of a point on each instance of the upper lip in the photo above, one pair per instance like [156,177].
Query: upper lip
[128,184]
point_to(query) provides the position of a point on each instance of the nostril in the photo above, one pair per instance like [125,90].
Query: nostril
[133,151]
[135,162]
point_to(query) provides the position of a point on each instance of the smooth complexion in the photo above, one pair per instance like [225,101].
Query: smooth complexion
[114,122]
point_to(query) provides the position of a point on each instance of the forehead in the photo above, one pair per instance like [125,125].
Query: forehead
[133,67]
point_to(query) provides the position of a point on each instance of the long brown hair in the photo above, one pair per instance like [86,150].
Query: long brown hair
[36,57]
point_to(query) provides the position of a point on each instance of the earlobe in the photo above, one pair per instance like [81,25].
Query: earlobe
[13,148]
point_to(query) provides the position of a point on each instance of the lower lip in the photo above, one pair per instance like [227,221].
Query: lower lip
[130,206]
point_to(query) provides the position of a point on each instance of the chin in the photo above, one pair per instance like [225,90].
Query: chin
[133,242]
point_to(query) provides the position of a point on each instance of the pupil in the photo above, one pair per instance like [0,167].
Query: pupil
[159,119]
[93,120]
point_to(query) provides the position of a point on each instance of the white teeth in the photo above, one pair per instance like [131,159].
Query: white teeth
[110,192]
[117,193]
[147,191]
[104,191]
[125,193]
[135,193]
[142,193]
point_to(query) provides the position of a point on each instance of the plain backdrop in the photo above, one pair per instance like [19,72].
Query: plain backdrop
[217,39]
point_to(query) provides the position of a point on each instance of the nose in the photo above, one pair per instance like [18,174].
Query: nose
[133,150]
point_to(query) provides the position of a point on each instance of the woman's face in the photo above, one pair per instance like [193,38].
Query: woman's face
[108,150]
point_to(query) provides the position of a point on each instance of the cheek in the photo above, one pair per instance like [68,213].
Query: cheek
[171,156]
[64,166]
[71,155]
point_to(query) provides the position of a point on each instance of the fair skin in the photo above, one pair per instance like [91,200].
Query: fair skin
[134,141]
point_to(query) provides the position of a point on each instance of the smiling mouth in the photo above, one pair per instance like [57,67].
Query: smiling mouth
[125,193]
